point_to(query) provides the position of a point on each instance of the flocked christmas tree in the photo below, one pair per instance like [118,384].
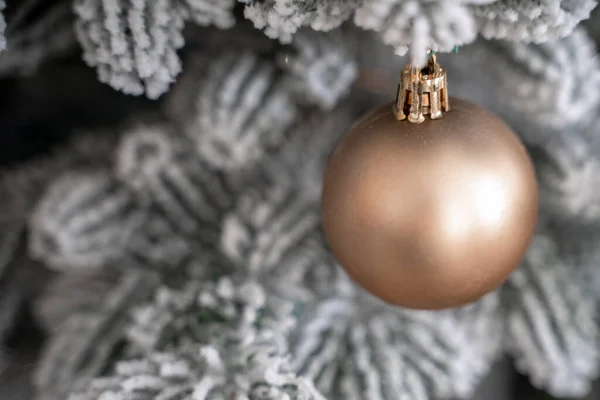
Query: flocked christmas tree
[185,249]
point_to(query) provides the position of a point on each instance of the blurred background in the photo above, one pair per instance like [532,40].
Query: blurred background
[43,107]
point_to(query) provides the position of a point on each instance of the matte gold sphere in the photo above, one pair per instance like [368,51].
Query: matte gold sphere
[431,215]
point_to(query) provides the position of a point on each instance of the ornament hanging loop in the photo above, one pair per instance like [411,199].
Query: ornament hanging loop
[422,91]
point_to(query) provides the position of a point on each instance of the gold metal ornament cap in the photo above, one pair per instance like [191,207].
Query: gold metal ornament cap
[422,91]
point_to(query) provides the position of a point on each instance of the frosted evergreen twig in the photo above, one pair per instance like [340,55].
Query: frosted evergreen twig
[531,20]
[84,221]
[23,187]
[416,25]
[160,165]
[552,329]
[568,170]
[73,293]
[45,38]
[209,12]
[380,352]
[242,110]
[170,375]
[306,152]
[182,197]
[2,26]
[280,19]
[484,326]
[85,344]
[323,69]
[564,74]
[133,45]
[21,278]
[242,354]
[274,230]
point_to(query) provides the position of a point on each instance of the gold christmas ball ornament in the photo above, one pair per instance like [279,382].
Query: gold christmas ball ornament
[429,206]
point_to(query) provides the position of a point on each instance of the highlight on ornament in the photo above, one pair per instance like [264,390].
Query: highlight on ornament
[429,202]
